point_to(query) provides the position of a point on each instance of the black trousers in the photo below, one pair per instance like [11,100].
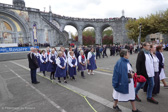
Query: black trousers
[111,52]
[52,75]
[104,54]
[98,55]
[59,78]
[33,75]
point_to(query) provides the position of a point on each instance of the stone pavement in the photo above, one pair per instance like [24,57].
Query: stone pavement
[17,94]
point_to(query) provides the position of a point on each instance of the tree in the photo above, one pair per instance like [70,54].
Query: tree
[108,40]
[153,23]
[89,37]
[107,32]
[107,36]
[89,32]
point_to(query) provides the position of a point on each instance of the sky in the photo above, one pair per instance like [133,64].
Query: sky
[98,8]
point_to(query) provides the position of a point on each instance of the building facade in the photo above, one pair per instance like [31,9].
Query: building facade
[20,24]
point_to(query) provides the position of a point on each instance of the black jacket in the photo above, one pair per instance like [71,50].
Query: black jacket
[161,65]
[33,64]
[97,50]
[140,64]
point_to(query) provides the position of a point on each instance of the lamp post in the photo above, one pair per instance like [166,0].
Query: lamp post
[139,38]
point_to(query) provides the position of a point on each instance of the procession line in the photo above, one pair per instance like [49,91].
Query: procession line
[38,91]
[58,84]
[81,92]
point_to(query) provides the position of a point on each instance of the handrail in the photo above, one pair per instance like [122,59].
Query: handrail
[66,17]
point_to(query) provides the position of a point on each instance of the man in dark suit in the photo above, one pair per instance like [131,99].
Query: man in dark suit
[104,51]
[33,65]
[113,50]
[97,52]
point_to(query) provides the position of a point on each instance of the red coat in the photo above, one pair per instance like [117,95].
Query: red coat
[138,79]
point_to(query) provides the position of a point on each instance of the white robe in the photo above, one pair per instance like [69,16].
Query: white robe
[131,92]
[162,73]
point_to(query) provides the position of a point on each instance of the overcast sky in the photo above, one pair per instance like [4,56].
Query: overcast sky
[98,8]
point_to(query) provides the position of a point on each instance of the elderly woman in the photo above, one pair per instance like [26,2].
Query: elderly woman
[82,63]
[52,64]
[43,59]
[91,62]
[122,82]
[72,62]
[156,88]
[161,58]
[61,67]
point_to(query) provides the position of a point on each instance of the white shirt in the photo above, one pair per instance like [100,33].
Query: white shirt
[50,57]
[65,57]
[37,54]
[70,61]
[129,67]
[162,57]
[58,62]
[90,55]
[69,53]
[56,54]
[156,63]
[79,59]
[149,65]
[42,61]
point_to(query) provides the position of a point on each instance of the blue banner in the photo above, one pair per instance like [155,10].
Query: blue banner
[15,49]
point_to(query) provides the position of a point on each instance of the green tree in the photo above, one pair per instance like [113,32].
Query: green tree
[107,32]
[89,32]
[153,23]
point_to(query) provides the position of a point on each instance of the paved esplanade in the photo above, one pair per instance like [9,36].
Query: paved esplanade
[17,92]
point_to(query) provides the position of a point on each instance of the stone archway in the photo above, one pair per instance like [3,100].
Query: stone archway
[106,27]
[20,31]
[8,30]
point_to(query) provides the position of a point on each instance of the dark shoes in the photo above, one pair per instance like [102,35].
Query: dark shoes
[152,100]
[59,81]
[73,78]
[83,76]
[36,83]
[117,109]
[136,110]
[137,98]
[65,81]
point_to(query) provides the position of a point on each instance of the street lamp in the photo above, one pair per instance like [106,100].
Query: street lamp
[139,38]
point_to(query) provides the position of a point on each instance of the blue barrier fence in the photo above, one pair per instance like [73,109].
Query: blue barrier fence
[16,49]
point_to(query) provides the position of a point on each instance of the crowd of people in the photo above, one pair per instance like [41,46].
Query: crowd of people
[149,73]
[63,63]
[91,19]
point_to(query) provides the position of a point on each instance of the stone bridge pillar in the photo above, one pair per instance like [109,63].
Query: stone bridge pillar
[62,27]
[80,39]
[98,38]
[118,33]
